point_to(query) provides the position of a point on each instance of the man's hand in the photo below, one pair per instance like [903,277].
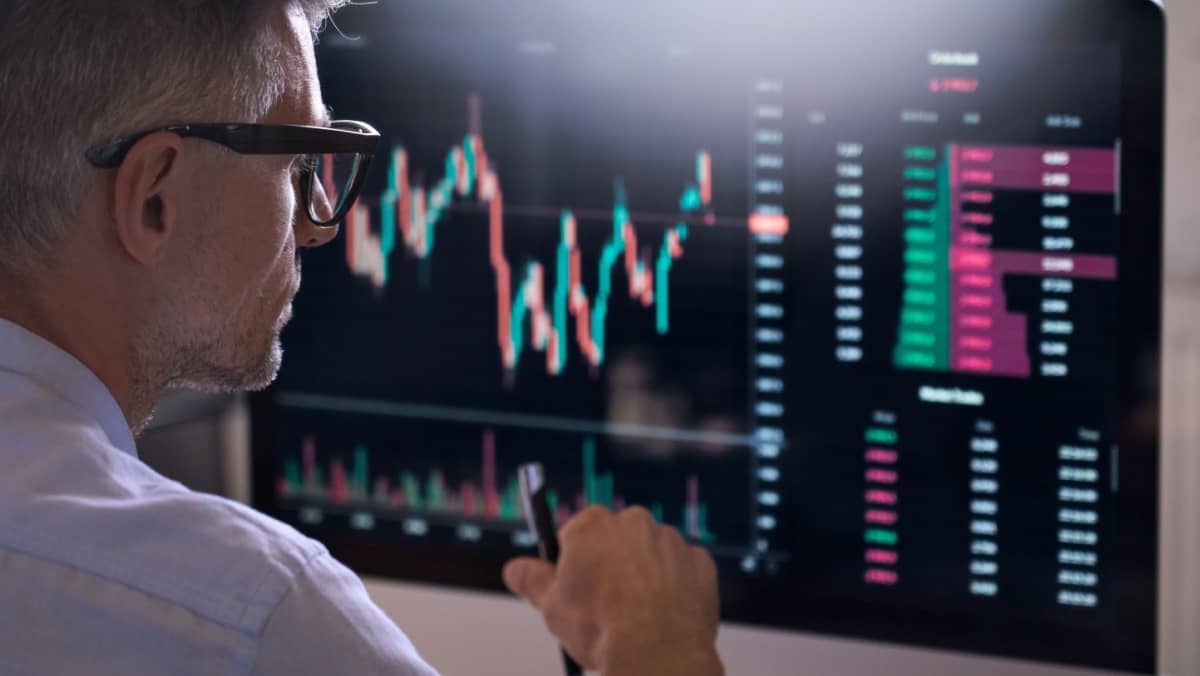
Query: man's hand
[628,596]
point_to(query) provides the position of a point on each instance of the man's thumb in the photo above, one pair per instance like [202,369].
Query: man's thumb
[529,578]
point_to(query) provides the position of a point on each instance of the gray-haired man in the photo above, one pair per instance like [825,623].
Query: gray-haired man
[157,187]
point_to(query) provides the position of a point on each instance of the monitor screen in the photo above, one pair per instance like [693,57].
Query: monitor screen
[860,296]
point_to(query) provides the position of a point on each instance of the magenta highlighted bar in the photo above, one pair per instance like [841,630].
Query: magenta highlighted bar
[880,576]
[977,281]
[1000,261]
[973,238]
[1082,266]
[962,258]
[977,177]
[975,343]
[978,197]
[885,557]
[882,456]
[1010,365]
[1006,332]
[1090,170]
[881,516]
[1000,326]
[881,476]
[876,496]
[981,322]
[975,363]
[978,218]
[975,301]
[972,154]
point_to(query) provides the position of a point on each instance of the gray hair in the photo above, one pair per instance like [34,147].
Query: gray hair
[77,72]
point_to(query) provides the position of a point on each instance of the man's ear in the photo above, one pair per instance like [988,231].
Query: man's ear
[145,212]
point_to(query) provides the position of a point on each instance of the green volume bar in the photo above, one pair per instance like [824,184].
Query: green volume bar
[436,489]
[510,501]
[412,490]
[597,490]
[656,510]
[291,472]
[923,336]
[358,477]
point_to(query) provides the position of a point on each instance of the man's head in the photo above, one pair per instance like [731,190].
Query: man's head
[186,252]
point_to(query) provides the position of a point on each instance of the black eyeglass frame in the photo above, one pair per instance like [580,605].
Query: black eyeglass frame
[342,136]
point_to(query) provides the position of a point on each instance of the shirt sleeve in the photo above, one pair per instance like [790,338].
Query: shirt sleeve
[327,624]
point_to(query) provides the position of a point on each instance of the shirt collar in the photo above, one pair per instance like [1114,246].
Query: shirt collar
[44,363]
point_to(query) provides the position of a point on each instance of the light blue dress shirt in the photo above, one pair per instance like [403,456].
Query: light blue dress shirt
[106,567]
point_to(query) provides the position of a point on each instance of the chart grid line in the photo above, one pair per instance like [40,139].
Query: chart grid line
[504,419]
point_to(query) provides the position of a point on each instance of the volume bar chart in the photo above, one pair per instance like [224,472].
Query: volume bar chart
[338,486]
[488,498]
[956,315]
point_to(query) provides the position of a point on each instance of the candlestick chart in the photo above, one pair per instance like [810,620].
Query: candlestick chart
[534,301]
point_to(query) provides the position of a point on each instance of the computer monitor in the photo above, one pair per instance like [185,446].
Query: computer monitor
[864,297]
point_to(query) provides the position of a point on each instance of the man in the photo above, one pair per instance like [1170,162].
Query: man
[144,247]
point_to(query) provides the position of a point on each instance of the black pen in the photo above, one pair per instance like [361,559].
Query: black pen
[540,520]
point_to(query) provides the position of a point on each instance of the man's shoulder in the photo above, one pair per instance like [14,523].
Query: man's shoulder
[215,557]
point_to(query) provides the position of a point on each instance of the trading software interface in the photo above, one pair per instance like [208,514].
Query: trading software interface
[840,309]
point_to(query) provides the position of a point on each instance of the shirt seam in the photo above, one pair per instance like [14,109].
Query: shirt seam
[292,584]
[301,569]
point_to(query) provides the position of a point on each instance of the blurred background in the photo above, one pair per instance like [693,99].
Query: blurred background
[203,440]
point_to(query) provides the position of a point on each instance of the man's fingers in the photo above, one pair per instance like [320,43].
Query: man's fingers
[583,521]
[529,578]
[705,566]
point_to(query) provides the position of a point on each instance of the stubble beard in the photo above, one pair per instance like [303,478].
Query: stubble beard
[219,376]
[215,362]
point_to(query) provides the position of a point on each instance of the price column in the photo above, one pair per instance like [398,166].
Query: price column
[847,235]
[768,226]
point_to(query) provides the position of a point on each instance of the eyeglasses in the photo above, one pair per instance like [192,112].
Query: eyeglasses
[333,164]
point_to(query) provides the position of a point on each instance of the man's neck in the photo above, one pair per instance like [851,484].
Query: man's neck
[98,334]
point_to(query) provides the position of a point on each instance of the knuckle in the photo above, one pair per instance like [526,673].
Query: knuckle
[592,514]
[637,514]
[587,518]
[670,536]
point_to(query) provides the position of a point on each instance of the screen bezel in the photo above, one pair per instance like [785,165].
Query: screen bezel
[1138,26]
